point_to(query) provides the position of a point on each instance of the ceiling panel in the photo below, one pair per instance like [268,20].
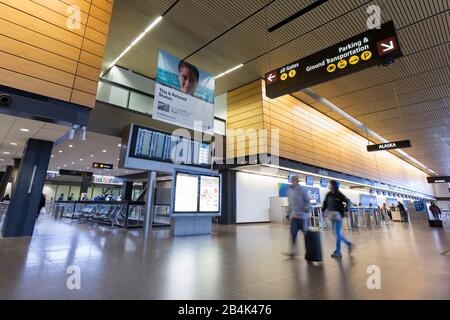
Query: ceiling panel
[410,99]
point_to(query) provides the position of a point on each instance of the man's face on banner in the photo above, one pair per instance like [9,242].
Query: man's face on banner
[188,80]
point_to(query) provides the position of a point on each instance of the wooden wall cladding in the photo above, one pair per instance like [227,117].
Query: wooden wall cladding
[308,136]
[40,53]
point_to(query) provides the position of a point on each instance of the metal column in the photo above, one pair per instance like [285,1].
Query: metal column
[26,193]
[5,180]
[149,208]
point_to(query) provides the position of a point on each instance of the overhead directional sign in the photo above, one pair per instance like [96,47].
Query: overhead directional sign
[389,146]
[76,173]
[99,165]
[363,51]
[438,179]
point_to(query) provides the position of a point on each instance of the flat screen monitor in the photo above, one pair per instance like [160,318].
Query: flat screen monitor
[195,192]
[186,192]
[209,194]
[324,183]
[309,181]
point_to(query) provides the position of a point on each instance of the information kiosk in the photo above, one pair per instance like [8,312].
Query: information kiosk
[195,188]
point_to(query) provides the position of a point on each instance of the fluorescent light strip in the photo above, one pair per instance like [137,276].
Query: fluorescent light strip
[230,70]
[345,115]
[135,41]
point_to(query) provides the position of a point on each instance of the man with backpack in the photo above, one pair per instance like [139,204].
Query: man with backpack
[336,204]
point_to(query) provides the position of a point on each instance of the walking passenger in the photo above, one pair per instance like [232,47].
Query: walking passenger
[435,211]
[299,206]
[336,204]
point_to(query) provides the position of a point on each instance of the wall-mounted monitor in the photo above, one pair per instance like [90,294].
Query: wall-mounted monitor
[196,192]
[309,181]
[324,183]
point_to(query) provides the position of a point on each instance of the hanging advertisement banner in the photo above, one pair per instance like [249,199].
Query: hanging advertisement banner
[184,94]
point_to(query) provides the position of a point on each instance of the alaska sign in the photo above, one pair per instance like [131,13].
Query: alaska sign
[389,146]
[438,179]
[365,50]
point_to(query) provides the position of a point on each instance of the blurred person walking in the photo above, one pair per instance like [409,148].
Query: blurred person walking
[299,206]
[336,203]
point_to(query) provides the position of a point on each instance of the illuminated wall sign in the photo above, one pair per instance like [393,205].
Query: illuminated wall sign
[438,179]
[99,165]
[324,183]
[389,145]
[105,180]
[363,51]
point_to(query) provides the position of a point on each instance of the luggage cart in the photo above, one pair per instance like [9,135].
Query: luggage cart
[316,219]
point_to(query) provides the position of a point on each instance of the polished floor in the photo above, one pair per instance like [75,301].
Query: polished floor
[236,262]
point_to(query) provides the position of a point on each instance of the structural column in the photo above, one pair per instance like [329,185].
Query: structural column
[127,190]
[5,179]
[27,189]
[15,172]
[85,182]
[228,197]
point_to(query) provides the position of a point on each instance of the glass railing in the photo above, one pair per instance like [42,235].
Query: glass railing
[127,98]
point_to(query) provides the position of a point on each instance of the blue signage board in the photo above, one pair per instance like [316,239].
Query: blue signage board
[368,200]
[313,193]
[419,206]
[309,181]
[324,183]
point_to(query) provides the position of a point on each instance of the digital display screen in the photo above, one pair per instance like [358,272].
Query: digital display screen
[324,183]
[309,181]
[186,192]
[209,194]
[159,146]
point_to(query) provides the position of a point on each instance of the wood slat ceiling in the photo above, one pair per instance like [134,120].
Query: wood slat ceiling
[409,100]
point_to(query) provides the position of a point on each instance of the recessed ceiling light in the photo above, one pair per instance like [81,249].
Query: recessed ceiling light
[72,162]
[70,146]
[92,155]
[6,152]
[119,145]
[2,160]
[60,151]
[103,150]
[59,167]
[13,143]
[65,165]
[53,156]
[24,130]
[81,159]
[118,159]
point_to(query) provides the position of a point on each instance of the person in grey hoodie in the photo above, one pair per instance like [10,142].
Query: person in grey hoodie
[299,206]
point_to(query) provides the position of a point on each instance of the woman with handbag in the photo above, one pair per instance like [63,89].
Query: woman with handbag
[336,204]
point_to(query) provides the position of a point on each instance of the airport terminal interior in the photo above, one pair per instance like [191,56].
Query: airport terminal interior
[171,149]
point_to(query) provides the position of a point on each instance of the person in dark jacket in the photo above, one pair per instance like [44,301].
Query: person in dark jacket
[336,204]
[41,204]
[435,211]
[403,213]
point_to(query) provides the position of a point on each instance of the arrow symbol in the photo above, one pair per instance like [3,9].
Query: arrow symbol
[388,47]
[270,77]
